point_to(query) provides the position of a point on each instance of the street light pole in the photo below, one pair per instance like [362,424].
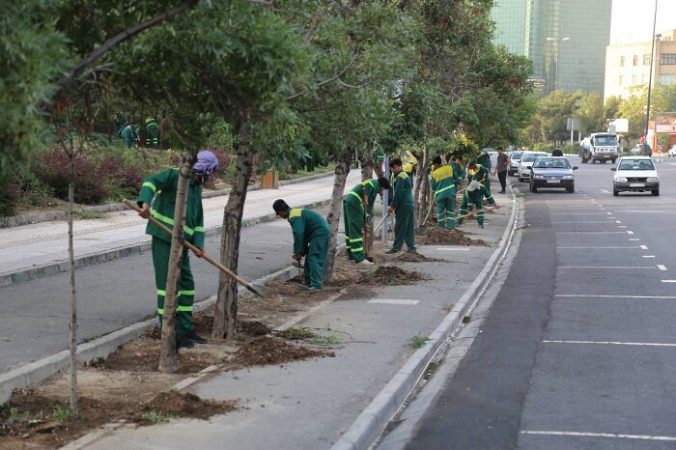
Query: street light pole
[650,79]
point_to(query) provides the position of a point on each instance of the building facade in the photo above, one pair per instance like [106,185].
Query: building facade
[628,65]
[565,39]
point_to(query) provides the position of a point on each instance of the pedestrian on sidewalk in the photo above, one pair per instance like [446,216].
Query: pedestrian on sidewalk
[402,207]
[311,235]
[442,183]
[158,199]
[357,207]
[475,193]
[501,168]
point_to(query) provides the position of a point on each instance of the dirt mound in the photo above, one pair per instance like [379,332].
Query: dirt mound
[268,350]
[174,403]
[415,258]
[392,276]
[443,236]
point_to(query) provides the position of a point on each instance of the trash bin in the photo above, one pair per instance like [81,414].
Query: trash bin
[271,179]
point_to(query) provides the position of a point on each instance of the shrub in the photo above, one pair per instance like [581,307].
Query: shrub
[9,198]
[123,179]
[53,168]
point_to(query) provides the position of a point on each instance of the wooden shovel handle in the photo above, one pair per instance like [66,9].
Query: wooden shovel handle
[207,258]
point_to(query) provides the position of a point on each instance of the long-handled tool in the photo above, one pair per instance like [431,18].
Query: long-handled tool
[381,223]
[207,258]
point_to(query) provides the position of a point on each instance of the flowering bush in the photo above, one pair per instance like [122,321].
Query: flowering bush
[53,168]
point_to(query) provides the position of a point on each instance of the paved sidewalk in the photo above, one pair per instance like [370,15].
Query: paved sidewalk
[310,404]
[26,247]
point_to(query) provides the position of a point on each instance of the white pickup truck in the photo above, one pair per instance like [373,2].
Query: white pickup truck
[599,147]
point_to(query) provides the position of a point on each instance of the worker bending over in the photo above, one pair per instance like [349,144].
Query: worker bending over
[357,207]
[475,193]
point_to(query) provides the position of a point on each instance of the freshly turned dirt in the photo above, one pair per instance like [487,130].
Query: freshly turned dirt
[392,276]
[268,351]
[442,236]
[31,420]
[415,258]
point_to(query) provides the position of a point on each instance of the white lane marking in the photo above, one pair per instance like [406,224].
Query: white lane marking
[394,301]
[634,239]
[639,297]
[644,247]
[662,267]
[453,249]
[668,281]
[621,226]
[574,214]
[630,232]
[617,221]
[648,256]
[583,221]
[640,437]
[609,267]
[590,232]
[629,344]
[612,217]
[610,214]
[592,247]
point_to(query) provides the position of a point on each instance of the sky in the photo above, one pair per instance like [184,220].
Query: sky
[632,20]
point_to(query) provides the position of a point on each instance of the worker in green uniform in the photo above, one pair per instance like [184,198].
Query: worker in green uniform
[311,235]
[129,135]
[402,207]
[458,172]
[479,172]
[475,193]
[357,206]
[152,138]
[442,183]
[157,198]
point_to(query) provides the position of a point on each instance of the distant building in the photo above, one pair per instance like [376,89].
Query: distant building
[628,65]
[565,39]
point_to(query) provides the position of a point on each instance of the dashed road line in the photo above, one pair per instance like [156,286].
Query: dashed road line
[639,437]
[636,297]
[394,301]
[628,344]
[662,267]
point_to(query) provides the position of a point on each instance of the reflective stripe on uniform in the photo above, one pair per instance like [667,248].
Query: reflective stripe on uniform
[181,308]
[160,311]
[355,240]
[295,212]
[356,195]
[169,221]
[150,185]
[163,293]
[360,249]
[444,189]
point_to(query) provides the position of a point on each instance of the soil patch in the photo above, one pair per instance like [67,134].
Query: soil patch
[269,351]
[443,236]
[31,420]
[392,276]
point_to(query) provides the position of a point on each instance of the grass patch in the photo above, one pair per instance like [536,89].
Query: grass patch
[326,340]
[85,214]
[298,334]
[157,418]
[62,413]
[418,341]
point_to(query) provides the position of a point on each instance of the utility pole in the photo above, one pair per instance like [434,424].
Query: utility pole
[650,79]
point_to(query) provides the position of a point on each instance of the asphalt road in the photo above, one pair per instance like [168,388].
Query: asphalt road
[578,350]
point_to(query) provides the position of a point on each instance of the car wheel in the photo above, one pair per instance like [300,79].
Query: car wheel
[571,188]
[616,192]
[656,192]
[533,188]
[613,160]
[521,179]
[593,161]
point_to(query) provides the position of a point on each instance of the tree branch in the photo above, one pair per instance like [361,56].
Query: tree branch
[333,78]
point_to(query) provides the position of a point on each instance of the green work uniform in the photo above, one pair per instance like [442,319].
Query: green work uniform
[159,191]
[475,199]
[357,205]
[152,133]
[311,235]
[128,135]
[458,174]
[442,183]
[481,176]
[402,202]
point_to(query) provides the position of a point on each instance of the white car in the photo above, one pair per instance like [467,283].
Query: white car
[515,158]
[526,162]
[636,174]
[672,151]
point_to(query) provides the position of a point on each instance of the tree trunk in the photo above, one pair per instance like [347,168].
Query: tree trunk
[168,355]
[225,310]
[367,167]
[342,170]
[72,345]
[424,200]
[418,185]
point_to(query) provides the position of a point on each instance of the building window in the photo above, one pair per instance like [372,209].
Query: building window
[634,60]
[646,59]
[667,80]
[668,59]
[621,62]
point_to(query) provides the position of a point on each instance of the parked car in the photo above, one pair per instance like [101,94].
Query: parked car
[636,174]
[515,157]
[552,172]
[527,159]
[672,151]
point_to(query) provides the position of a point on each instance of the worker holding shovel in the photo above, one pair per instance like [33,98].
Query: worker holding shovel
[474,198]
[442,184]
[357,205]
[311,235]
[157,199]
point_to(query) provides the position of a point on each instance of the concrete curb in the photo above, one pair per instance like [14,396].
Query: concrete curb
[369,425]
[7,279]
[36,217]
[37,371]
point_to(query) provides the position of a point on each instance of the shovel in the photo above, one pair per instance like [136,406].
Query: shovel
[207,258]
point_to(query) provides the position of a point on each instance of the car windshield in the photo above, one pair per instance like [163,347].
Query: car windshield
[516,155]
[551,163]
[636,164]
[605,140]
[530,157]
